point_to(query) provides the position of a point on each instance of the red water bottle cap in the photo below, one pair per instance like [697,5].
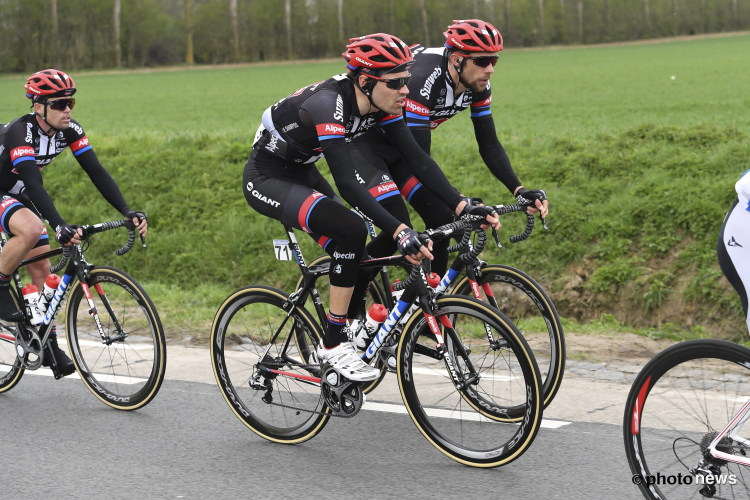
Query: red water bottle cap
[29,289]
[378,312]
[53,281]
[433,280]
[393,284]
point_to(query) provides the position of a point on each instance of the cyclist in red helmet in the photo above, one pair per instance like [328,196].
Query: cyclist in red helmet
[281,182]
[446,81]
[27,145]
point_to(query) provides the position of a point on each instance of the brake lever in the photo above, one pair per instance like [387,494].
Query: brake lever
[143,241]
[544,223]
[497,238]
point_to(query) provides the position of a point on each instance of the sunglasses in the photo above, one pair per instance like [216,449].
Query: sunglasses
[393,83]
[61,104]
[483,61]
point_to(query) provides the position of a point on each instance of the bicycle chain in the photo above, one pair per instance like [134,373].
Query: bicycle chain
[332,414]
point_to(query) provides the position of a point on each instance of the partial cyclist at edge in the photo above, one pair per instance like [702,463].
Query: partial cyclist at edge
[281,181]
[27,145]
[444,82]
[733,248]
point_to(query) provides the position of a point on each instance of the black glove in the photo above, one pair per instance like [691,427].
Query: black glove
[408,242]
[481,211]
[131,214]
[65,233]
[527,197]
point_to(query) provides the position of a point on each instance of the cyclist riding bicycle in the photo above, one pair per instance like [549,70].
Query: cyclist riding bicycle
[27,145]
[446,81]
[734,243]
[280,180]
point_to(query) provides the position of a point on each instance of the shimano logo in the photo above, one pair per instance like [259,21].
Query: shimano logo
[337,269]
[289,127]
[386,178]
[425,91]
[339,114]
[28,133]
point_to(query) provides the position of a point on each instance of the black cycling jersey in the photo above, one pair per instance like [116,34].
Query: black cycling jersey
[25,150]
[432,100]
[319,120]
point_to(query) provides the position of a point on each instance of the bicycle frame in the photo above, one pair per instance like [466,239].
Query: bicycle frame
[732,430]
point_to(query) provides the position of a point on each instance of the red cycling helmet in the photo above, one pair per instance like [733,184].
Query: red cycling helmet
[49,83]
[377,54]
[473,35]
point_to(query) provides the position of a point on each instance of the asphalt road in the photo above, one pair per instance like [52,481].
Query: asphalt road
[60,442]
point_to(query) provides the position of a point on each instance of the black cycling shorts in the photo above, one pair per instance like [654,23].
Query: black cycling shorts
[12,203]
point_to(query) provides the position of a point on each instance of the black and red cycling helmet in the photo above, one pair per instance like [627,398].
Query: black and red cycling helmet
[473,35]
[377,54]
[49,83]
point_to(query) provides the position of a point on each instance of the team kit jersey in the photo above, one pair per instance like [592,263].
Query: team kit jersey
[432,99]
[25,150]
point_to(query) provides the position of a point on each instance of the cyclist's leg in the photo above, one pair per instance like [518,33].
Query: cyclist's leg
[371,162]
[24,229]
[434,212]
[289,198]
[733,250]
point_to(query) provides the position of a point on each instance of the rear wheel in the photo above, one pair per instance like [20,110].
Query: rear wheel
[481,408]
[265,364]
[11,369]
[677,405]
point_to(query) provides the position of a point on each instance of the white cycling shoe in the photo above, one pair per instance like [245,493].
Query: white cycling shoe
[344,359]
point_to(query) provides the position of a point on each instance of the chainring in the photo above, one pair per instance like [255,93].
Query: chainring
[343,397]
[27,349]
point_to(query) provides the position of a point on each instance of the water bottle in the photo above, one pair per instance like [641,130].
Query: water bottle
[396,295]
[31,297]
[375,317]
[50,286]
[433,280]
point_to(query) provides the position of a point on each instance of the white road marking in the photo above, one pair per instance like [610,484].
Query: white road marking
[458,415]
[118,379]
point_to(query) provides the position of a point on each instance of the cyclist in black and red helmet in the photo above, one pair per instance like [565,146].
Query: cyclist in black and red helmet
[445,81]
[280,180]
[27,145]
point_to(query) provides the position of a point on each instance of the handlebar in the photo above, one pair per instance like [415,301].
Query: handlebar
[89,231]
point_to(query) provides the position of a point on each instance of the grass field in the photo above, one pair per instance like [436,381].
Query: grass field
[639,168]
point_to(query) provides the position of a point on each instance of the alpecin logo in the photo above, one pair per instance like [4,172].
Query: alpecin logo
[417,108]
[22,151]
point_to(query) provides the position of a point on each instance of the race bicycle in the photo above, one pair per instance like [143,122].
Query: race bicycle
[684,419]
[114,335]
[508,289]
[480,406]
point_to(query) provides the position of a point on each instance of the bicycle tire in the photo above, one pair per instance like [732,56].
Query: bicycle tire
[432,413]
[666,367]
[144,343]
[11,368]
[553,371]
[377,296]
[246,363]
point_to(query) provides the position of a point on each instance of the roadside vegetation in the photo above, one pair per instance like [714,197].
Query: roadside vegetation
[636,201]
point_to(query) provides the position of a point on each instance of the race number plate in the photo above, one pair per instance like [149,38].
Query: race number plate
[282,250]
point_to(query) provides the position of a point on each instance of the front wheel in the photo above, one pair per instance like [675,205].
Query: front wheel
[678,404]
[481,407]
[125,369]
[520,297]
[11,369]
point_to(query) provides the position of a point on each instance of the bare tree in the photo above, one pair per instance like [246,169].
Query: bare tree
[288,22]
[235,29]
[189,29]
[734,13]
[674,17]
[647,16]
[542,36]
[474,9]
[341,19]
[391,17]
[55,34]
[423,6]
[116,26]
[608,15]
[506,9]
[703,15]
[580,21]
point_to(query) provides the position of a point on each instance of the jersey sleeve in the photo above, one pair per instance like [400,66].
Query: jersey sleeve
[421,165]
[743,190]
[417,114]
[490,149]
[89,162]
[22,156]
[325,108]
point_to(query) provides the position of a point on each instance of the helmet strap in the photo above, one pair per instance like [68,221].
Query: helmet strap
[44,119]
[367,89]
[459,69]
